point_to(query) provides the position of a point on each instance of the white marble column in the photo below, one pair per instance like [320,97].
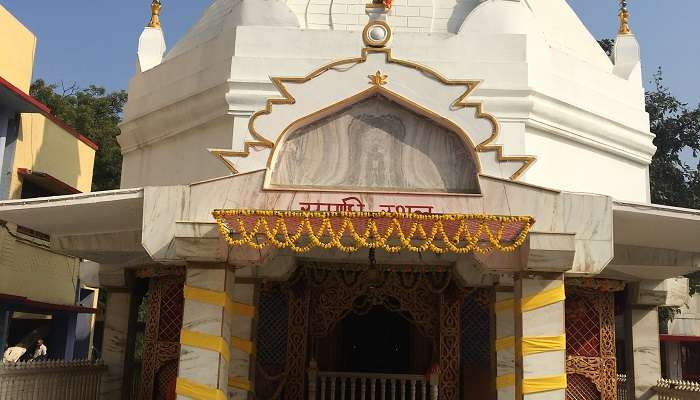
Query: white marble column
[539,338]
[241,372]
[642,341]
[206,330]
[114,343]
[505,345]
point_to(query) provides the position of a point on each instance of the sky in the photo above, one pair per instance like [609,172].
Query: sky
[94,41]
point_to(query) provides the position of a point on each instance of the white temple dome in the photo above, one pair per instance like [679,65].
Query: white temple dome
[223,16]
[556,95]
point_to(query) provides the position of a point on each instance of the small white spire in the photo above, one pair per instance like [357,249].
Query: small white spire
[626,52]
[152,41]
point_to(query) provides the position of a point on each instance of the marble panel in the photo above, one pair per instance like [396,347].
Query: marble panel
[207,276]
[505,326]
[550,363]
[544,321]
[505,362]
[532,287]
[114,344]
[559,394]
[203,318]
[376,144]
[643,330]
[200,365]
[506,393]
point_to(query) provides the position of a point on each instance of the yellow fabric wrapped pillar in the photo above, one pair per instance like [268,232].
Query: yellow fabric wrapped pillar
[540,339]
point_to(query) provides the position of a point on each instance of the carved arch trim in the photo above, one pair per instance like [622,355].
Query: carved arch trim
[261,141]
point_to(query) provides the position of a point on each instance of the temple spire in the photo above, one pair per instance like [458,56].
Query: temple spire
[624,16]
[155,14]
[152,41]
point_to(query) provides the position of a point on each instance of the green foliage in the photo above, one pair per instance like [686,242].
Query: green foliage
[95,113]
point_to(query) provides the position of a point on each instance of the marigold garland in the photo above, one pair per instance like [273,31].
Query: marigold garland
[270,228]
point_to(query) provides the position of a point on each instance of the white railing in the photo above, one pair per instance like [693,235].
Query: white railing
[672,389]
[324,385]
[51,380]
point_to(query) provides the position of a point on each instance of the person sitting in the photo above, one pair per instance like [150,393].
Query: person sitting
[39,351]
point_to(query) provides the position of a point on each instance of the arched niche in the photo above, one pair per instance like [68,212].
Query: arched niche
[376,144]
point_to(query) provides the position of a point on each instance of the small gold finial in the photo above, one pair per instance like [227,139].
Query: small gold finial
[624,16]
[155,14]
[378,79]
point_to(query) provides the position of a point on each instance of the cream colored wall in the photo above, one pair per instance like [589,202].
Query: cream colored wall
[17,46]
[34,272]
[46,147]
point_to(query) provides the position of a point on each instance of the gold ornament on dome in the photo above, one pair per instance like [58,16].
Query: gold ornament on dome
[155,14]
[378,79]
[624,17]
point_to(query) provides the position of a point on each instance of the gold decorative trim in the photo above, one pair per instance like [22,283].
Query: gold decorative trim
[287,99]
[624,17]
[376,43]
[155,15]
[378,79]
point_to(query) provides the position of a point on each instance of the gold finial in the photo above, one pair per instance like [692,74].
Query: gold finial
[378,79]
[155,14]
[624,16]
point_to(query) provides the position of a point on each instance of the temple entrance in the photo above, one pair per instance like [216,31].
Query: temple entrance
[380,341]
[341,331]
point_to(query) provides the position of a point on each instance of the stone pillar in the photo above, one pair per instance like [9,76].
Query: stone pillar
[540,337]
[505,345]
[241,373]
[642,341]
[206,331]
[114,343]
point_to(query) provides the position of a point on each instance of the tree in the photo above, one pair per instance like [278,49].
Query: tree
[95,113]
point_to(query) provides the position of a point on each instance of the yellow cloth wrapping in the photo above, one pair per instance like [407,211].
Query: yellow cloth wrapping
[242,344]
[240,383]
[219,299]
[505,381]
[541,344]
[503,305]
[505,343]
[544,298]
[204,341]
[197,391]
[544,384]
